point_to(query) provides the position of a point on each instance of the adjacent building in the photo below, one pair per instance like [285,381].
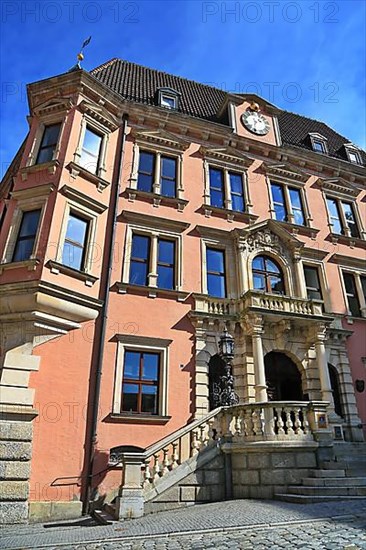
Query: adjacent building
[142,215]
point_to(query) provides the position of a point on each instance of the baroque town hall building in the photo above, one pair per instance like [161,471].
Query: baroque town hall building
[159,236]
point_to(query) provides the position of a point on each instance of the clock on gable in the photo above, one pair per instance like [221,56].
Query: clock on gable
[254,121]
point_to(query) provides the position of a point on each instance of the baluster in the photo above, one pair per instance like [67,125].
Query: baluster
[297,422]
[290,430]
[305,423]
[269,421]
[147,474]
[238,422]
[194,443]
[156,467]
[203,437]
[248,422]
[280,424]
[212,432]
[174,458]
[257,422]
[165,463]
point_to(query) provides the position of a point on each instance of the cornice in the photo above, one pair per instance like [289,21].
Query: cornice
[348,261]
[85,200]
[314,253]
[33,192]
[160,138]
[155,222]
[226,154]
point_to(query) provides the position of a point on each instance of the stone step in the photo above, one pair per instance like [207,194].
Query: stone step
[334,481]
[355,472]
[331,465]
[335,491]
[311,499]
[328,473]
[103,517]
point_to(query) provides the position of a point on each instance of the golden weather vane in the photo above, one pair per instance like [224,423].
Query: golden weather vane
[80,55]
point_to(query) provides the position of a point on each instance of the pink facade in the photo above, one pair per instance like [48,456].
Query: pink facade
[53,313]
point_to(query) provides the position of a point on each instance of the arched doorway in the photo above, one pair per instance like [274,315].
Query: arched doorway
[283,378]
[334,383]
[215,370]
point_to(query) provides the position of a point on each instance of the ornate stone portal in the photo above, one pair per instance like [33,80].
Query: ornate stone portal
[263,323]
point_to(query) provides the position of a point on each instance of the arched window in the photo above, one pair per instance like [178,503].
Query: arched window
[267,275]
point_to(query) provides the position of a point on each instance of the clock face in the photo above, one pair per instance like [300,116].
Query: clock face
[255,122]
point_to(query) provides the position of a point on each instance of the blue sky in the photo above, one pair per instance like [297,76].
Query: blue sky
[306,56]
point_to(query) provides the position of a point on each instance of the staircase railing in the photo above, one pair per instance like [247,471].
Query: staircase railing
[277,421]
[166,454]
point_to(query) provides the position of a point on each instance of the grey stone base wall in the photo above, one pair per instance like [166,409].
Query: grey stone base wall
[41,511]
[262,474]
[206,484]
[15,456]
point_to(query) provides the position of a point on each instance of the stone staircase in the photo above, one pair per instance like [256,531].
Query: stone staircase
[343,478]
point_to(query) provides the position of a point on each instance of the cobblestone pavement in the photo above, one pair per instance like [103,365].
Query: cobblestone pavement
[238,524]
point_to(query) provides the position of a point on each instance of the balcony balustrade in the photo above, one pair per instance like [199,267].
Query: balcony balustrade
[256,300]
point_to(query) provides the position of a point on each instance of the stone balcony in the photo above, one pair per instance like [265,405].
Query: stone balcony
[257,301]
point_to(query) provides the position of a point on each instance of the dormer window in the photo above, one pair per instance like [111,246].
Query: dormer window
[353,154]
[319,143]
[168,98]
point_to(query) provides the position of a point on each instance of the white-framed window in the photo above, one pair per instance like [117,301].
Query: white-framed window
[343,217]
[90,154]
[77,245]
[318,143]
[153,253]
[353,154]
[48,143]
[168,98]
[218,275]
[24,235]
[226,188]
[157,173]
[141,376]
[288,203]
[354,288]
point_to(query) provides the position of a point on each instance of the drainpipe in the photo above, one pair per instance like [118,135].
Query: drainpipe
[104,316]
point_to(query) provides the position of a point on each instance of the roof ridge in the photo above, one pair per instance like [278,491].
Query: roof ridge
[158,71]
[104,65]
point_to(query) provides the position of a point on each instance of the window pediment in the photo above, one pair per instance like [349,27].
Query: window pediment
[285,172]
[100,115]
[53,106]
[160,139]
[269,236]
[227,155]
[339,187]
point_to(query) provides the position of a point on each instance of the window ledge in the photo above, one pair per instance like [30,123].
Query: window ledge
[30,264]
[152,292]
[56,268]
[51,168]
[77,170]
[352,318]
[230,215]
[353,242]
[296,229]
[127,418]
[155,198]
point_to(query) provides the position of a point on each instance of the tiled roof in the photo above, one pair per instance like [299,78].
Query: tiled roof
[137,83]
